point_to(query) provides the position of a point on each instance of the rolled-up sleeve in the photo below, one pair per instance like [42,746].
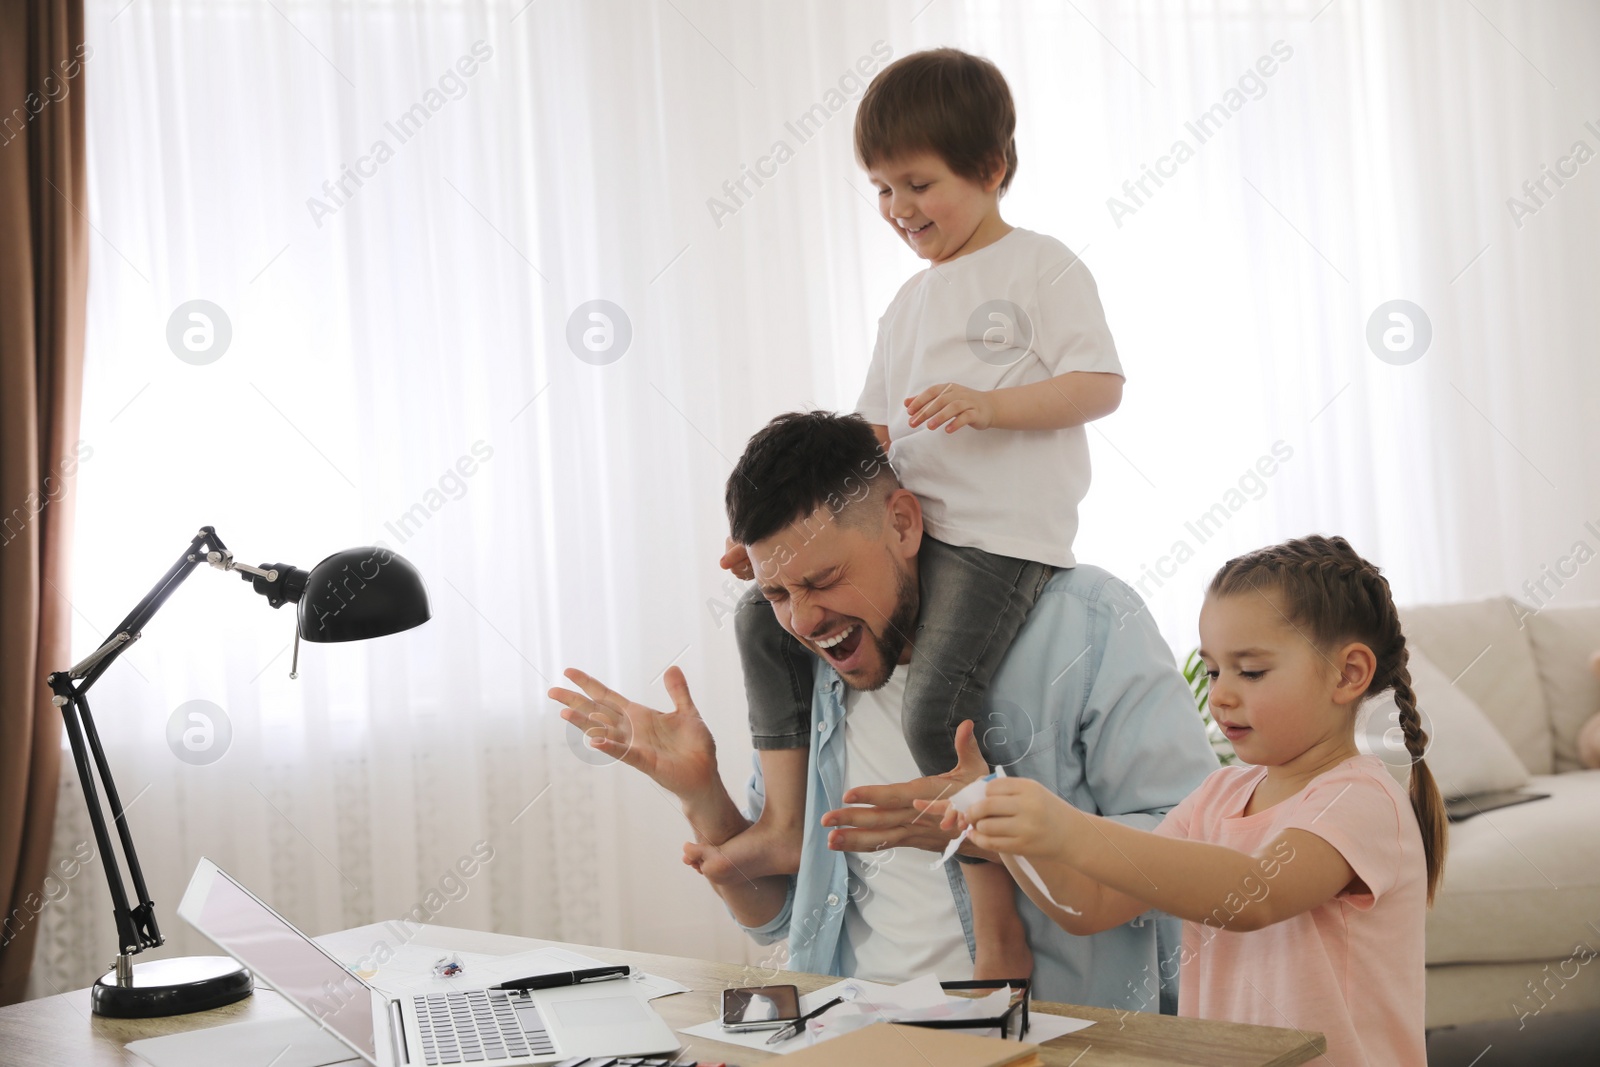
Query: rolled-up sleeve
[776,928]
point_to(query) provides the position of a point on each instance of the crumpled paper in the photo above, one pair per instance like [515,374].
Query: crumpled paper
[962,801]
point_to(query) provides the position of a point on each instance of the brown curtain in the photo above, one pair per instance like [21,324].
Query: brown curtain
[44,274]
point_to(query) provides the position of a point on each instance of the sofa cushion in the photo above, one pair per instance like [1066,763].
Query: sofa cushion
[1465,752]
[1528,994]
[1520,883]
[1483,649]
[1563,640]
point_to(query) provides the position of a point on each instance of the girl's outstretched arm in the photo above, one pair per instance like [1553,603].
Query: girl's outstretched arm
[1097,907]
[1100,907]
[1114,868]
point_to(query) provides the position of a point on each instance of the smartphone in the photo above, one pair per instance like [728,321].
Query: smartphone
[761,1007]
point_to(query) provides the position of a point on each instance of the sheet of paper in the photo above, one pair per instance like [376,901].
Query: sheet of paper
[921,992]
[1042,1027]
[289,1042]
[873,1002]
[411,974]
[916,991]
[755,1039]
[411,964]
[915,1007]
[652,986]
[410,971]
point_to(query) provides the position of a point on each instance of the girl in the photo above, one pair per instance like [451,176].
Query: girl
[1304,877]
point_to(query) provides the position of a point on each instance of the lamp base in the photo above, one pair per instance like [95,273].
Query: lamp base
[172,987]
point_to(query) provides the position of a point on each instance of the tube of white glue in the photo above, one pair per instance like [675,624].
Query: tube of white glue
[962,801]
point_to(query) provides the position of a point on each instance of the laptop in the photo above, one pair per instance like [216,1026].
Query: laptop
[483,1027]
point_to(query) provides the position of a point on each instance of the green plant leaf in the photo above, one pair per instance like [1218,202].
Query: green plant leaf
[1194,672]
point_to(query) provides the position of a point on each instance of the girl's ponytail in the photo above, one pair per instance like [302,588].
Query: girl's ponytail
[1338,596]
[1426,801]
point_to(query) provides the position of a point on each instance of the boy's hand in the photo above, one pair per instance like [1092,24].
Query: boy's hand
[951,406]
[1022,817]
[736,559]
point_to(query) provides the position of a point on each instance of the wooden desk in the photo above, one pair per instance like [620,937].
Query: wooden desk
[60,1029]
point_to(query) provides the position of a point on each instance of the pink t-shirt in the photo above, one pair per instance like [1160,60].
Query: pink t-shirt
[1351,967]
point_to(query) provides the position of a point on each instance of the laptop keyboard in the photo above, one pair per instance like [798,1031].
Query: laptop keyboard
[479,1025]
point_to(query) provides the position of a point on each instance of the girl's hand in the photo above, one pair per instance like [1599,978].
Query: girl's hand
[950,820]
[1022,817]
[952,406]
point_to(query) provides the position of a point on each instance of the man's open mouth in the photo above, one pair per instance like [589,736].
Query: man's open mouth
[841,647]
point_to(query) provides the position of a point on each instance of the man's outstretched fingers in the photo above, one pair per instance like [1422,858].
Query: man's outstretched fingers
[567,697]
[597,690]
[900,794]
[582,712]
[594,726]
[678,690]
[949,818]
[866,817]
[858,840]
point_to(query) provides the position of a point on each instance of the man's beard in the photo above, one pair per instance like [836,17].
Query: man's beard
[896,632]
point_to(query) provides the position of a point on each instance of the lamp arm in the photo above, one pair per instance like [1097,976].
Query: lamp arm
[137,929]
[130,629]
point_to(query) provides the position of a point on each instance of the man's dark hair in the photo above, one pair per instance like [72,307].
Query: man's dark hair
[945,101]
[803,460]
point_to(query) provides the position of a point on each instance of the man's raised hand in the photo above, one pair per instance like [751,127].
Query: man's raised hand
[890,819]
[674,748]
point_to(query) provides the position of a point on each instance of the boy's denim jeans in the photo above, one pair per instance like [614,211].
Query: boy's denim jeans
[973,604]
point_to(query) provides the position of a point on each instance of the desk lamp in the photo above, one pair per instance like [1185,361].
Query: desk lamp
[350,596]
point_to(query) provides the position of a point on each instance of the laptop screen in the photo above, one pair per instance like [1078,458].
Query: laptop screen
[289,961]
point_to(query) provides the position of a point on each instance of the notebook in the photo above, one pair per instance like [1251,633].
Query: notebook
[881,1043]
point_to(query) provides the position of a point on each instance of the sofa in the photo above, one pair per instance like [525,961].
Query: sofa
[1514,933]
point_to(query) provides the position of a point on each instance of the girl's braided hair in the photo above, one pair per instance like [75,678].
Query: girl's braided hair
[1334,596]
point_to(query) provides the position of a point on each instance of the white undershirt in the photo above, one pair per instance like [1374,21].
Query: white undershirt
[901,919]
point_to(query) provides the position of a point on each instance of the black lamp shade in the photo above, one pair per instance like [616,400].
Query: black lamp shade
[351,595]
[361,593]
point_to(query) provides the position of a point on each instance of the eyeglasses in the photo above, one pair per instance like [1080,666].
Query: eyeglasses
[1014,1018]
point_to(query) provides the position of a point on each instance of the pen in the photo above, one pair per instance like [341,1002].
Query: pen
[558,979]
[794,1028]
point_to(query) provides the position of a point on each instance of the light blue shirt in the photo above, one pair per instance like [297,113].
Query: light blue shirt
[1088,698]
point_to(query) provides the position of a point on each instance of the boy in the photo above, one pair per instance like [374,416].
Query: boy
[987,366]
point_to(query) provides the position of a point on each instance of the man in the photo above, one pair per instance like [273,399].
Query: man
[1087,701]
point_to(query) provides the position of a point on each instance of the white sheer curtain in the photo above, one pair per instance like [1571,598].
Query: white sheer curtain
[418,320]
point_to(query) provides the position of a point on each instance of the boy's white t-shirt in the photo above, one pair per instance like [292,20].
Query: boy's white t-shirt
[1018,311]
